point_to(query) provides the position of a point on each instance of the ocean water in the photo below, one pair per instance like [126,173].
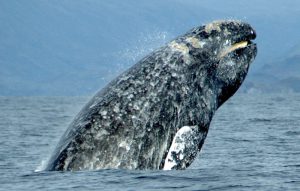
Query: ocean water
[253,144]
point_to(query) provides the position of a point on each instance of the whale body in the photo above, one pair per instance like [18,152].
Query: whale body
[156,115]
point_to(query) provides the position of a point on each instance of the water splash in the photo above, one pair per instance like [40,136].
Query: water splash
[146,43]
[41,166]
[120,60]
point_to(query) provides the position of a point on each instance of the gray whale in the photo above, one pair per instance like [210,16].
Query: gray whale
[157,114]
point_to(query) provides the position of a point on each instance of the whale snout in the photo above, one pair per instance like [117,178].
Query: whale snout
[252,34]
[237,38]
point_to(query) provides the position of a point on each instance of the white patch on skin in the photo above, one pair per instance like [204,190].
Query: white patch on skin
[101,132]
[179,47]
[216,26]
[196,43]
[136,107]
[130,96]
[104,113]
[226,32]
[116,108]
[152,84]
[230,63]
[213,26]
[181,143]
[227,42]
[125,145]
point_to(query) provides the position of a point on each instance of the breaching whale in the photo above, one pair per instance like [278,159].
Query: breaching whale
[156,115]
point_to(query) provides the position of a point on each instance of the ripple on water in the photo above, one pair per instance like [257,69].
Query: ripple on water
[253,144]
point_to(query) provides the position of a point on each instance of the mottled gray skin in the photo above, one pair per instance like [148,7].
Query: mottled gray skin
[131,123]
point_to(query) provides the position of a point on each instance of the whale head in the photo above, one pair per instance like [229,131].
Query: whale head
[224,51]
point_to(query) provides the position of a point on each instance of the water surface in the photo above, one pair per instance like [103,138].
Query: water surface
[253,144]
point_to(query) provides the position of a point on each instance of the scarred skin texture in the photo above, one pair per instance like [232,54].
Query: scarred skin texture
[131,123]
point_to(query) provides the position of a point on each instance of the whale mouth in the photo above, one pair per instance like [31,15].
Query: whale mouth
[240,45]
[234,47]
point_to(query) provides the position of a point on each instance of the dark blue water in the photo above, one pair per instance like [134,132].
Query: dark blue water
[253,144]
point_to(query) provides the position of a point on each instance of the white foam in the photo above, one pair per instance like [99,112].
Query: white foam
[41,167]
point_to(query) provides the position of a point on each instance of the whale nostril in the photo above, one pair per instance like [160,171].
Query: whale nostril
[252,34]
